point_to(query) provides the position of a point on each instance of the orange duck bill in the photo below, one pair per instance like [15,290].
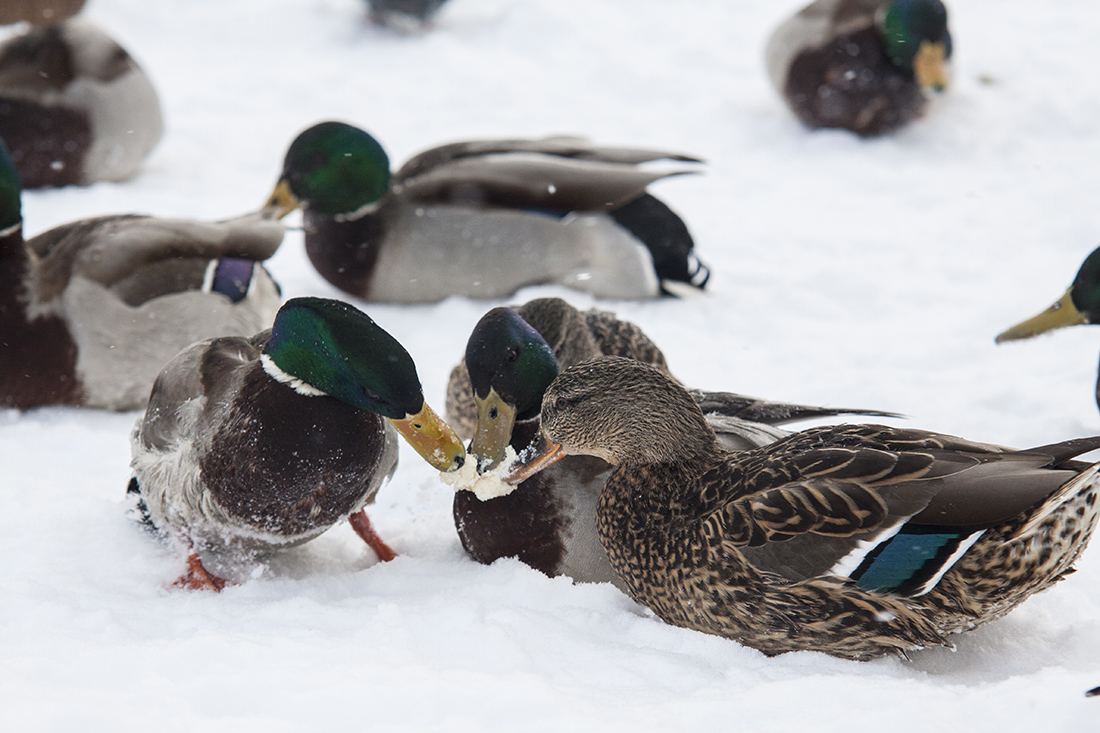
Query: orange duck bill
[541,453]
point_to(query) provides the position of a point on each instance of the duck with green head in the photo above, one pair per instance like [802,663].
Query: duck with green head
[495,395]
[1079,306]
[253,444]
[91,311]
[862,65]
[483,218]
[854,540]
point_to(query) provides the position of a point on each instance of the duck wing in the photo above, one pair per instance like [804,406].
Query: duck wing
[760,410]
[531,181]
[892,509]
[195,387]
[562,146]
[139,253]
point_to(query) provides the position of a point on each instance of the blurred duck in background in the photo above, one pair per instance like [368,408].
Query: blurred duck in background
[861,65]
[484,218]
[92,310]
[406,16]
[75,108]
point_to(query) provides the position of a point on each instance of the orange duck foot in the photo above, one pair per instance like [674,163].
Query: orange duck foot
[198,578]
[362,526]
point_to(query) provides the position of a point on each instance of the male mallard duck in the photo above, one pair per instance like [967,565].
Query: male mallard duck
[1079,306]
[38,12]
[75,108]
[482,219]
[863,65]
[252,444]
[404,15]
[855,540]
[512,356]
[90,311]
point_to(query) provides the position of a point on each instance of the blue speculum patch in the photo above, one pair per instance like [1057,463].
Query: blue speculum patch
[907,560]
[231,278]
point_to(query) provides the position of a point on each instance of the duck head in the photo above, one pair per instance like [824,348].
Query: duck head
[510,367]
[325,347]
[617,409]
[332,168]
[917,40]
[1079,306]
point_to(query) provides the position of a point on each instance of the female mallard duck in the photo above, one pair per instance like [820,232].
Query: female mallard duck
[90,311]
[404,15]
[253,444]
[1079,306]
[38,12]
[863,65]
[855,540]
[75,108]
[494,395]
[482,219]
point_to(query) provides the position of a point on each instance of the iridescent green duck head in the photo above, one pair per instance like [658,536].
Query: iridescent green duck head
[917,40]
[11,189]
[510,367]
[332,168]
[326,347]
[1079,306]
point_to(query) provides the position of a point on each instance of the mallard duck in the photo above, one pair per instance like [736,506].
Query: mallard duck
[75,108]
[549,522]
[1080,305]
[482,219]
[38,12]
[862,65]
[250,444]
[854,540]
[90,311]
[404,15]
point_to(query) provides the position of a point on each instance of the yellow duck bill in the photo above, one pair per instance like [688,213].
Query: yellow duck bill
[281,201]
[1060,315]
[495,420]
[433,439]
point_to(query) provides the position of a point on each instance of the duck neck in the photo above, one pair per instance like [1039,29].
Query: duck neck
[14,267]
[345,249]
[39,356]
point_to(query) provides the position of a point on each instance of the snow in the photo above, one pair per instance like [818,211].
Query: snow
[870,273]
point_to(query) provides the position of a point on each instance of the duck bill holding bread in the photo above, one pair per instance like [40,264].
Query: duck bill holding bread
[541,454]
[495,421]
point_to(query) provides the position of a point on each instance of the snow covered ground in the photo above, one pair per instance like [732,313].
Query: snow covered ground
[845,272]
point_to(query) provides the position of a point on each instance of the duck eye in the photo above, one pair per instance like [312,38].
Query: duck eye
[561,403]
[513,354]
[371,394]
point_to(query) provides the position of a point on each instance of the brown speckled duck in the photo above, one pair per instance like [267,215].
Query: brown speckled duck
[252,444]
[75,108]
[861,65]
[854,540]
[494,395]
